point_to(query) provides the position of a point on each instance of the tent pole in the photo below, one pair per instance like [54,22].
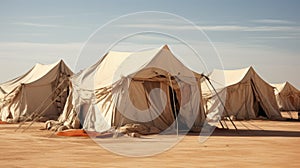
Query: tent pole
[221,102]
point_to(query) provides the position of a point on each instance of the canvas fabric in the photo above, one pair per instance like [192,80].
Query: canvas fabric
[241,93]
[126,88]
[287,96]
[40,92]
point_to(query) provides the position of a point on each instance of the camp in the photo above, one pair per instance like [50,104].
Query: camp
[287,96]
[241,94]
[41,92]
[150,87]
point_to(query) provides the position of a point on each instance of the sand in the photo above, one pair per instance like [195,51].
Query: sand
[258,143]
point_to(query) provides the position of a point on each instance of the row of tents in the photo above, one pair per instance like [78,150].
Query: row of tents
[150,87]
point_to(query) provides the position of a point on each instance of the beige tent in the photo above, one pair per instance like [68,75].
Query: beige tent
[287,96]
[243,92]
[40,92]
[149,87]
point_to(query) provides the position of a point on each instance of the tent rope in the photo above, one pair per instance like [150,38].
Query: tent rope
[40,114]
[222,103]
[41,105]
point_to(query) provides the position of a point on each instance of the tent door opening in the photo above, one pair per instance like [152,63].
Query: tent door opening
[258,109]
[173,97]
[261,111]
[84,109]
[176,110]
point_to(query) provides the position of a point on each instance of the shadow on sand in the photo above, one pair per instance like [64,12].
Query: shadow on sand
[253,133]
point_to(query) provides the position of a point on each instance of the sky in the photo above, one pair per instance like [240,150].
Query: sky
[264,34]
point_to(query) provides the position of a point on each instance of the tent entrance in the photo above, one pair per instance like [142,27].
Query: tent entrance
[175,106]
[261,111]
[257,106]
[174,102]
[258,109]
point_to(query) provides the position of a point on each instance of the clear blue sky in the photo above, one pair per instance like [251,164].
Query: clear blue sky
[261,33]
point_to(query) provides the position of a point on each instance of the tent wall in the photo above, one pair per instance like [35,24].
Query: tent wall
[140,104]
[139,96]
[38,96]
[126,91]
[264,94]
[243,98]
[239,101]
[42,96]
[288,97]
[136,107]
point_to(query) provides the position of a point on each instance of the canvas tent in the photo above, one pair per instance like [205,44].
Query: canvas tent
[39,92]
[150,87]
[244,94]
[287,96]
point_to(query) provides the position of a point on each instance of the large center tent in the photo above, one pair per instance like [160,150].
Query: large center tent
[150,87]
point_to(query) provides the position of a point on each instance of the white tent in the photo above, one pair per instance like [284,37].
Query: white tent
[244,94]
[149,87]
[287,96]
[38,93]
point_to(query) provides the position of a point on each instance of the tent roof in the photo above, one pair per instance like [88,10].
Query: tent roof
[116,65]
[34,74]
[225,78]
[279,87]
[282,86]
[229,77]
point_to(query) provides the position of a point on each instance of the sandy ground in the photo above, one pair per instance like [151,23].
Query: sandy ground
[258,143]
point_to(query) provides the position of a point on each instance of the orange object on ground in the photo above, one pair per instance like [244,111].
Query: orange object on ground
[4,122]
[77,132]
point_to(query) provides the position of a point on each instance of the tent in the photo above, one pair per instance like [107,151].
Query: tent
[287,96]
[38,93]
[150,87]
[242,94]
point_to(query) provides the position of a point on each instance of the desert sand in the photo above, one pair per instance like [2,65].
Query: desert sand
[258,143]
